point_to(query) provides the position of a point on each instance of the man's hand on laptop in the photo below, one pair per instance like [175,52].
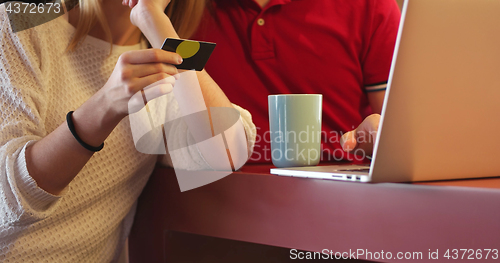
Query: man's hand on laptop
[363,137]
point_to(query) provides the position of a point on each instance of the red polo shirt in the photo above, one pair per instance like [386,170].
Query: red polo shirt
[333,47]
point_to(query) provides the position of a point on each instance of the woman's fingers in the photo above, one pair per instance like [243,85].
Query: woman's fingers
[130,3]
[168,80]
[150,56]
[148,70]
[150,81]
[139,71]
[157,91]
[142,97]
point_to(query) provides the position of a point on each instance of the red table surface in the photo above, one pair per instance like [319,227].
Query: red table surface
[311,214]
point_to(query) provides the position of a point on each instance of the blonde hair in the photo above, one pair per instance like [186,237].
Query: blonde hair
[184,14]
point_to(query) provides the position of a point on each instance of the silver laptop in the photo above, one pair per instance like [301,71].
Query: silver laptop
[441,114]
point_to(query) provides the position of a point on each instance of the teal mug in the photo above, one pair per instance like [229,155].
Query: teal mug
[295,127]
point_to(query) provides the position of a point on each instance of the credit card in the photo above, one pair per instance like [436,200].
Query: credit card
[195,54]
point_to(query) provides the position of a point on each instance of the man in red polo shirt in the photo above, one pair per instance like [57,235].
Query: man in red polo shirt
[339,48]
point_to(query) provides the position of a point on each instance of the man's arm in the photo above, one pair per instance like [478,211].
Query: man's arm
[376,100]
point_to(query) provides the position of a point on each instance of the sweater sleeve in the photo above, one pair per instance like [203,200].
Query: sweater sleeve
[250,128]
[23,103]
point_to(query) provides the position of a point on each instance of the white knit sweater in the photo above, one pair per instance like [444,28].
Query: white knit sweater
[40,83]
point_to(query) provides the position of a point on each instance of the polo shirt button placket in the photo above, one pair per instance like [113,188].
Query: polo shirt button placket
[262,42]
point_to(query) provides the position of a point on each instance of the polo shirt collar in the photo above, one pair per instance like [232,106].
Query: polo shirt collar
[253,4]
[278,2]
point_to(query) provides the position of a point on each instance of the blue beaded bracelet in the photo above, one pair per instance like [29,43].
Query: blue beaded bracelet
[71,126]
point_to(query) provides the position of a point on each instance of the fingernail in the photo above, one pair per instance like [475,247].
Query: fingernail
[179,60]
[344,147]
[166,88]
